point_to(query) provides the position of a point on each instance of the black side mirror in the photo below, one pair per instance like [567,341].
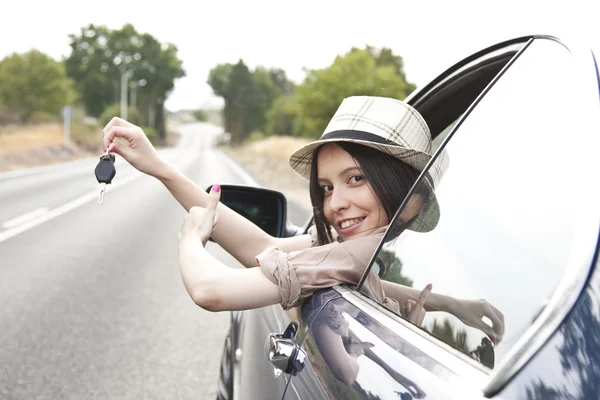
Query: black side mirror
[266,208]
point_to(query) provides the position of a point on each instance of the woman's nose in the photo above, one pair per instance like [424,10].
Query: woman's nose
[339,200]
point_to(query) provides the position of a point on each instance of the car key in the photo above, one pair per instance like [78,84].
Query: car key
[105,172]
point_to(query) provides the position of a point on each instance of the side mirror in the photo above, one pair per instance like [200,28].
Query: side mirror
[266,208]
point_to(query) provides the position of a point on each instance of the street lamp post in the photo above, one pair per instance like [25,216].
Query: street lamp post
[134,86]
[124,81]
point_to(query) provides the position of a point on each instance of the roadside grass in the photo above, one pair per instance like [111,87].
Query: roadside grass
[267,161]
[17,138]
[33,145]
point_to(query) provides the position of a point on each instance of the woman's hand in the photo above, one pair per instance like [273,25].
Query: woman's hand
[357,348]
[200,222]
[414,311]
[139,153]
[471,312]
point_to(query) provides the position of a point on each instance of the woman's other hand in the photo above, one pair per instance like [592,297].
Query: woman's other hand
[200,222]
[471,312]
[139,153]
[357,348]
[414,311]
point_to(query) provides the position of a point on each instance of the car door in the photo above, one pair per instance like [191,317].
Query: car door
[517,238]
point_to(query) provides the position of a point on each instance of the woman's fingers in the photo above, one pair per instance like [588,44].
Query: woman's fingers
[127,133]
[416,310]
[210,213]
[116,121]
[497,319]
[211,206]
[423,296]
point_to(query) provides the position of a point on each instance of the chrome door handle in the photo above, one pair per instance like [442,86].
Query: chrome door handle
[283,352]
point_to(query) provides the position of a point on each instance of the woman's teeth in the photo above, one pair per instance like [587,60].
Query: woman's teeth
[349,222]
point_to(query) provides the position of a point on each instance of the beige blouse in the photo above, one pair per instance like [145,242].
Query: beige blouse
[299,274]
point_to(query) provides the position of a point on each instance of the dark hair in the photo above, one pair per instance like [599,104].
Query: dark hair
[390,178]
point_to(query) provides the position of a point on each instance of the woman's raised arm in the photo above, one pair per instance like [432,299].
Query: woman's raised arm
[238,236]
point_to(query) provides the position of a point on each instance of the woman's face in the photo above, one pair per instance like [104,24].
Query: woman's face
[349,205]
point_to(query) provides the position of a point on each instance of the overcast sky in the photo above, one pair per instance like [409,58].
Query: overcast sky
[429,35]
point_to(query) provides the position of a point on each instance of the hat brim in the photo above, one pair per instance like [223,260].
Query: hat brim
[429,216]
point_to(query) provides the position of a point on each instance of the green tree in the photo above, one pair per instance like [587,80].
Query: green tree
[358,72]
[100,58]
[280,117]
[445,332]
[219,79]
[200,114]
[385,56]
[91,66]
[248,96]
[34,82]
[392,266]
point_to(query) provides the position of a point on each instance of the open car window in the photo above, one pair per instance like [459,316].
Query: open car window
[514,196]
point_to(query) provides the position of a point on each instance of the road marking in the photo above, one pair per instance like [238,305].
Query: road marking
[35,220]
[65,208]
[24,218]
[248,180]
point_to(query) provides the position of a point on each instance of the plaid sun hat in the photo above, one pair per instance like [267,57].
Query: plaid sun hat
[390,126]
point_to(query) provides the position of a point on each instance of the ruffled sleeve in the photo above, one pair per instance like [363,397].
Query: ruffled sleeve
[299,274]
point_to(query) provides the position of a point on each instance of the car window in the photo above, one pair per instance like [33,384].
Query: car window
[513,193]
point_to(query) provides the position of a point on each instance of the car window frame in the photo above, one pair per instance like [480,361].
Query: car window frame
[561,302]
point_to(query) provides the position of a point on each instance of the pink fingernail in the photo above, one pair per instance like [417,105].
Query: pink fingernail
[217,188]
[429,286]
[111,147]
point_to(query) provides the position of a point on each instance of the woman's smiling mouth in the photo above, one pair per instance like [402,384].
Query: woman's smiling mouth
[347,223]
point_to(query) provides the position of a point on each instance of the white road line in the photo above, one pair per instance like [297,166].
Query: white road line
[248,180]
[47,216]
[34,220]
[24,218]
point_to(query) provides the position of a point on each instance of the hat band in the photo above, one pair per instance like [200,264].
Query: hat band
[356,135]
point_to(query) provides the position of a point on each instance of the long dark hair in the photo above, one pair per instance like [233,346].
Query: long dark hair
[390,178]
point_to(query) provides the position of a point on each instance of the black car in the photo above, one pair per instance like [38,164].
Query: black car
[519,228]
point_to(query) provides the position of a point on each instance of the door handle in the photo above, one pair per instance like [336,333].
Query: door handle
[283,352]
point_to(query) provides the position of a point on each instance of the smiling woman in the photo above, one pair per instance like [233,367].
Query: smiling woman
[359,172]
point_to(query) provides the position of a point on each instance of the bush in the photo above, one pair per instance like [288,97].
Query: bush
[114,110]
[40,117]
[152,135]
[256,135]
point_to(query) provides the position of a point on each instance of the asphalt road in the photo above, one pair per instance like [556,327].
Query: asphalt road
[92,303]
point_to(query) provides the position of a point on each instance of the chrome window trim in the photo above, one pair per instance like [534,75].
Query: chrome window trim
[441,352]
[577,270]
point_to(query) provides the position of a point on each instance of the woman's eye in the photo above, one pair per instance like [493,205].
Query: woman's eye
[327,188]
[355,179]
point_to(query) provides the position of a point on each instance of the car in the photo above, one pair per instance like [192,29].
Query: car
[519,227]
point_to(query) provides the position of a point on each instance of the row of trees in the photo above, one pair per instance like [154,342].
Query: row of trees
[266,100]
[102,63]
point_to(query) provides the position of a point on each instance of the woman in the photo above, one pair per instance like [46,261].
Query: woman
[360,170]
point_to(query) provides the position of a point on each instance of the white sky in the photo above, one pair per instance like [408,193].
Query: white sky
[429,35]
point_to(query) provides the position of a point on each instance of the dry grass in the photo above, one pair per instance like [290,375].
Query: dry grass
[27,137]
[24,146]
[36,145]
[267,162]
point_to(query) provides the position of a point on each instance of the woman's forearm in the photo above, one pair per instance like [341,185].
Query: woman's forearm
[200,272]
[434,302]
[214,286]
